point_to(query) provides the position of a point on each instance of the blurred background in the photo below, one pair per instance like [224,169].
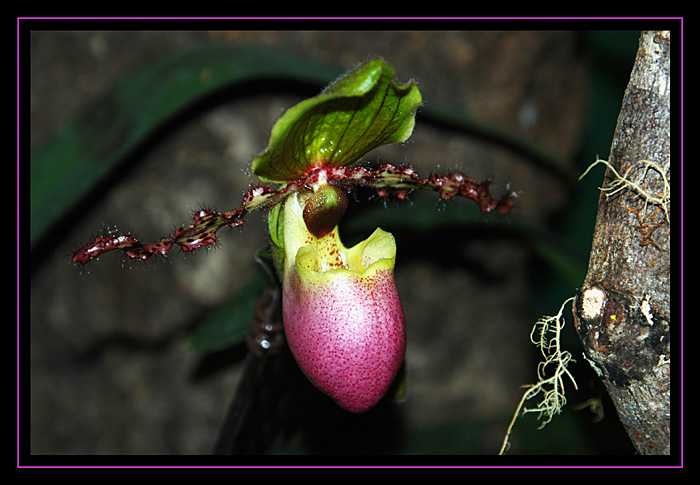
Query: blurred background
[110,366]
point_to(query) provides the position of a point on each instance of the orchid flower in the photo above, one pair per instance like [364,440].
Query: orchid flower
[342,314]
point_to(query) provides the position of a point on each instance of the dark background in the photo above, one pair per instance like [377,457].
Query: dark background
[109,364]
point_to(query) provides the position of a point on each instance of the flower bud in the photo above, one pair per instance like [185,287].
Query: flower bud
[343,318]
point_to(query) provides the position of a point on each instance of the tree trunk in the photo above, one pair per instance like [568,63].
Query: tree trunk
[622,311]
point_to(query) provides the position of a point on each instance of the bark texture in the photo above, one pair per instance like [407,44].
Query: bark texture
[622,311]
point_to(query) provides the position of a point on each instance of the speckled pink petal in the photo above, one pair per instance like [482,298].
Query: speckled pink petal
[342,315]
[346,331]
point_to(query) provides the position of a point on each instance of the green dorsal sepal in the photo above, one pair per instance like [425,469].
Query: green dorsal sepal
[363,109]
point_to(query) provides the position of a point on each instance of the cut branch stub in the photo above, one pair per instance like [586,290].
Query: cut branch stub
[623,309]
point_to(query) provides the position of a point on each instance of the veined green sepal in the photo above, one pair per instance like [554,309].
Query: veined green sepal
[275,224]
[363,109]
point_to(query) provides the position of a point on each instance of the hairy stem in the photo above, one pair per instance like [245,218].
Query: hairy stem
[387,181]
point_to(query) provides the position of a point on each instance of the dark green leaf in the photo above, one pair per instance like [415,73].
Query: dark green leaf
[230,324]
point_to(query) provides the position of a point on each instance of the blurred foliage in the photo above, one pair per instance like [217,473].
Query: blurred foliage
[89,150]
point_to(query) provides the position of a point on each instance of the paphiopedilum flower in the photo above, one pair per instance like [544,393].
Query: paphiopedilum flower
[342,314]
[343,318]
[341,310]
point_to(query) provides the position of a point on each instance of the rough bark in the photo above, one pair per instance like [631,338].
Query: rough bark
[623,310]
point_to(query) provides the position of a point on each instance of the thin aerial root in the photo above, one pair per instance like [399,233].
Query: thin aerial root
[546,335]
[623,182]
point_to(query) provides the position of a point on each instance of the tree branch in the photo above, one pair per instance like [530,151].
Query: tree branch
[622,311]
